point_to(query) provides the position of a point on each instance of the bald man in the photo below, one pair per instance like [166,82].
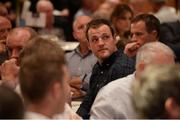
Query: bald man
[81,60]
[16,40]
[46,7]
[5,26]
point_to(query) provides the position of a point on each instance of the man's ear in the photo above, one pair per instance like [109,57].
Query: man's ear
[117,38]
[172,108]
[154,33]
[89,46]
[141,66]
[74,35]
[56,90]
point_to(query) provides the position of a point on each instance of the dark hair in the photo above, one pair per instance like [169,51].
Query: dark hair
[41,62]
[120,10]
[11,105]
[96,23]
[151,22]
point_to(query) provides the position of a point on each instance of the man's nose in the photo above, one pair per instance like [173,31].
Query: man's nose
[14,54]
[100,41]
[133,38]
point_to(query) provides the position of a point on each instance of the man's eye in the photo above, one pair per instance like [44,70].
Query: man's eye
[105,37]
[94,39]
[81,27]
[139,34]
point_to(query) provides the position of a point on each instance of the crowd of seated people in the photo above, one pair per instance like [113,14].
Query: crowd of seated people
[127,57]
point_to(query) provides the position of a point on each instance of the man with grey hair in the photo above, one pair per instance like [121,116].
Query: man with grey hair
[51,25]
[106,102]
[156,92]
[16,39]
[81,60]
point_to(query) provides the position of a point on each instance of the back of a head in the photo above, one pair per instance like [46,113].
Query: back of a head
[44,6]
[157,85]
[11,105]
[41,62]
[149,53]
[151,22]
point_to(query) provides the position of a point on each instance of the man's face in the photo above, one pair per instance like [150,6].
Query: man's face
[101,42]
[16,41]
[5,27]
[79,28]
[140,35]
[123,22]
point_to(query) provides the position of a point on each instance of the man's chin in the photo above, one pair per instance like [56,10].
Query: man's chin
[104,56]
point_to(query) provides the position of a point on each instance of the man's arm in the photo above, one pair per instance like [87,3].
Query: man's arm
[85,106]
[107,105]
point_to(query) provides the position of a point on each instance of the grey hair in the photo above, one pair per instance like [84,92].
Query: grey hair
[148,51]
[153,88]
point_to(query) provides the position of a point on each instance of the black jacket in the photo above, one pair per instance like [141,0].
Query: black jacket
[116,66]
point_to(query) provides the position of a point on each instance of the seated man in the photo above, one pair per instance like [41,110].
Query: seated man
[144,28]
[114,100]
[43,78]
[112,64]
[16,39]
[81,60]
[156,93]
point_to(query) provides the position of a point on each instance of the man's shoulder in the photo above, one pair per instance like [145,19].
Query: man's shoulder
[33,115]
[69,55]
[118,85]
[123,60]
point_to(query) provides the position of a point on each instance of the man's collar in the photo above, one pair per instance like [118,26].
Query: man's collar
[77,50]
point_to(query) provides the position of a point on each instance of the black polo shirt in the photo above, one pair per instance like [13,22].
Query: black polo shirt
[118,65]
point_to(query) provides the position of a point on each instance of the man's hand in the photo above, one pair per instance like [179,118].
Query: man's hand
[76,84]
[9,73]
[77,93]
[131,49]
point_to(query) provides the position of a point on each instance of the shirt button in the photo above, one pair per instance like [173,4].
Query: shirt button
[101,72]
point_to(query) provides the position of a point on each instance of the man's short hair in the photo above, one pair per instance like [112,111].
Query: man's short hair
[41,62]
[151,22]
[153,88]
[96,23]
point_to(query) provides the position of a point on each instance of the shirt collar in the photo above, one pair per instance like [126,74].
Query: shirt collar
[79,53]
